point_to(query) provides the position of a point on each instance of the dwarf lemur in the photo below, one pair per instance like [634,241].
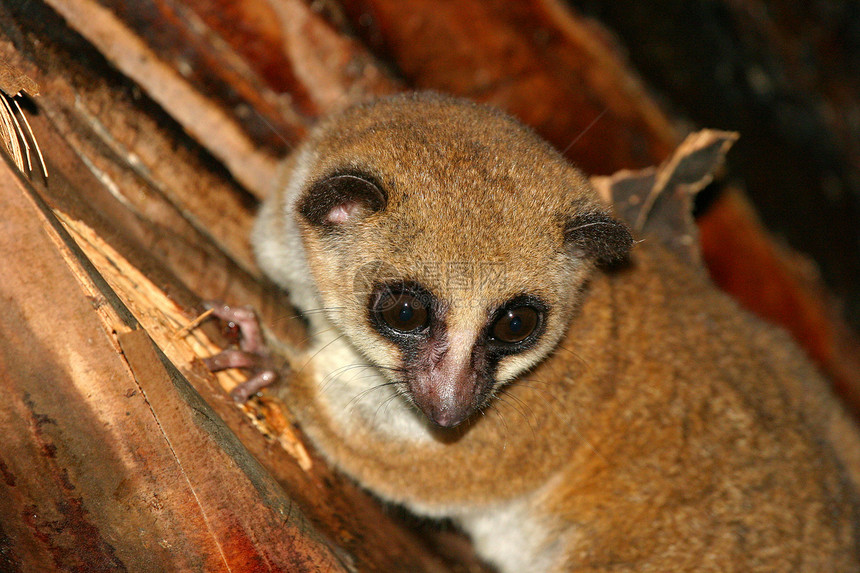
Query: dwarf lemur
[488,347]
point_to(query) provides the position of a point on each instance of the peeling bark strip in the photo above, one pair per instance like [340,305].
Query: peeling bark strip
[237,108]
[167,86]
[658,202]
[15,134]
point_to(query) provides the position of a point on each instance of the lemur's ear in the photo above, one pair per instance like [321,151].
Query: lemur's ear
[340,199]
[598,236]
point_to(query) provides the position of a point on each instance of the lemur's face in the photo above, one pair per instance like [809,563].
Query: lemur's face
[450,245]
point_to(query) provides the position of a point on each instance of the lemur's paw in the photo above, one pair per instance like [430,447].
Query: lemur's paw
[253,353]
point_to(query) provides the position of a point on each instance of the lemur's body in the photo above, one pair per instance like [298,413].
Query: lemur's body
[474,361]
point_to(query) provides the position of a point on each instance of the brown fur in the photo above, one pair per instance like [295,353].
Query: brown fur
[666,430]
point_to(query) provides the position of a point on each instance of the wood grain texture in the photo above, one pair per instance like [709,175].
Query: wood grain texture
[106,462]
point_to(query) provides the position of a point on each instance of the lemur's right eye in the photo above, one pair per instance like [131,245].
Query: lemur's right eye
[403,312]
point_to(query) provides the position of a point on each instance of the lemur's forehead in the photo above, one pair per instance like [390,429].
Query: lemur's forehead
[471,268]
[467,165]
[443,152]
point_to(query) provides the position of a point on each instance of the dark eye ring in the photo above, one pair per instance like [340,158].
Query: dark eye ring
[402,312]
[515,324]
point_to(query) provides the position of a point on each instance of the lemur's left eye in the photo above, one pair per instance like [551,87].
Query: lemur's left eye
[515,324]
[403,312]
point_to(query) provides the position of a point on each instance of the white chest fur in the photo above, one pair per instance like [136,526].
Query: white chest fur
[510,536]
